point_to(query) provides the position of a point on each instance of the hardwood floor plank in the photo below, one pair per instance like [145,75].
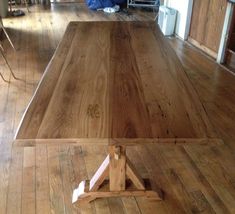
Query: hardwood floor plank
[147,206]
[42,181]
[102,206]
[212,172]
[29,181]
[14,196]
[80,174]
[116,206]
[215,201]
[67,178]
[57,200]
[130,205]
[207,175]
[4,178]
[175,195]
[93,157]
[197,193]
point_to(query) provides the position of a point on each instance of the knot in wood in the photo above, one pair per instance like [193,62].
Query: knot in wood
[93,111]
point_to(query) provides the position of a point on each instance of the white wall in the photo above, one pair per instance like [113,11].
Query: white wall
[184,8]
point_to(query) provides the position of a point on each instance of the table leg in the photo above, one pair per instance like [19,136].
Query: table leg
[117,171]
[124,180]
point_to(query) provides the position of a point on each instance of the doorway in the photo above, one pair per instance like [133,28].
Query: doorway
[230,48]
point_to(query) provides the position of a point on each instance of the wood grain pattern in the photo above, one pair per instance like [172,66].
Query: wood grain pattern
[29,181]
[36,36]
[106,81]
[102,89]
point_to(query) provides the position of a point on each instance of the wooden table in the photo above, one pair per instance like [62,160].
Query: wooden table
[117,84]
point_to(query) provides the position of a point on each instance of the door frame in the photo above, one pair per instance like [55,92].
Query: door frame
[225,33]
[184,25]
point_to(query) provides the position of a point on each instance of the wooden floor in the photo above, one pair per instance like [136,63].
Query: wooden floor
[196,178]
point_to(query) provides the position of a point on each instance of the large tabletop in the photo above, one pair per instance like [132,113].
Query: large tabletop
[111,80]
[114,83]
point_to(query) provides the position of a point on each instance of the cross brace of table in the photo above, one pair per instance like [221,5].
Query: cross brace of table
[118,168]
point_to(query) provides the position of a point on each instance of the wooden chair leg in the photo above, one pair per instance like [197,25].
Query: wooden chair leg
[27,6]
[0,72]
[9,67]
[3,78]
[5,32]
[1,47]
